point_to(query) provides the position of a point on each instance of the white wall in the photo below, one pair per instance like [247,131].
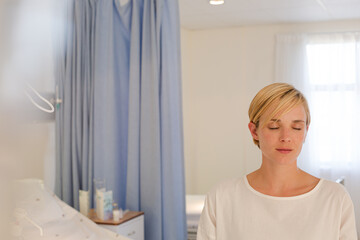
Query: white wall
[222,71]
[27,47]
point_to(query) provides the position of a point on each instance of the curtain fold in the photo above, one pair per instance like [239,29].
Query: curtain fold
[74,129]
[155,158]
[326,68]
[291,65]
[111,83]
[120,120]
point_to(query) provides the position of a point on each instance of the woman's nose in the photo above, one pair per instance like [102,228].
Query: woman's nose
[285,136]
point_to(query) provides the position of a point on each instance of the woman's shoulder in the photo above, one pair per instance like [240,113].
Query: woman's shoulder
[331,188]
[227,186]
[324,186]
[328,184]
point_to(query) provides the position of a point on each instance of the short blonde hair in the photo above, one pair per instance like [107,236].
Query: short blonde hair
[286,98]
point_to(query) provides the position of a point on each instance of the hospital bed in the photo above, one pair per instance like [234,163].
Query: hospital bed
[194,206]
[39,214]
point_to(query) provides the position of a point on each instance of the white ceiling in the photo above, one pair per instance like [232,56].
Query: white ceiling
[199,14]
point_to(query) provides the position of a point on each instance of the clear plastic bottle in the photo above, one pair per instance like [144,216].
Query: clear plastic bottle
[117,213]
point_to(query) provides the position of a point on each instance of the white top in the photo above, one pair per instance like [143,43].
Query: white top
[234,210]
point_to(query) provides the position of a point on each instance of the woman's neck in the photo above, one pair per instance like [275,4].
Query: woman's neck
[283,180]
[281,174]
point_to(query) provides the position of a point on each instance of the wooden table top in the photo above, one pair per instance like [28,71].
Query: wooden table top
[127,216]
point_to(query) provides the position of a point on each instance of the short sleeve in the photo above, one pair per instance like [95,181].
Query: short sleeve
[207,223]
[348,225]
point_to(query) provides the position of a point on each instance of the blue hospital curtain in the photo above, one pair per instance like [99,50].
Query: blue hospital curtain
[120,119]
[155,180]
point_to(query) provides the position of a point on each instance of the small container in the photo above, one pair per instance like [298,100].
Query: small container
[117,213]
[84,200]
[99,186]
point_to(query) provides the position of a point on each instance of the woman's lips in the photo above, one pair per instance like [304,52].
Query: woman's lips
[284,150]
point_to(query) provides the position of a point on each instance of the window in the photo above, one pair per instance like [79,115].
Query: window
[326,68]
[333,67]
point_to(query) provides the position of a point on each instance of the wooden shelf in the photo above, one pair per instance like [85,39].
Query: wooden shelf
[127,216]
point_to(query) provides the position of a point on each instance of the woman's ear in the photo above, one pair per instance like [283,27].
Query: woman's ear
[253,130]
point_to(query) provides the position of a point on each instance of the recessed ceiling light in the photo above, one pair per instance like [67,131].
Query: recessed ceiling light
[216,2]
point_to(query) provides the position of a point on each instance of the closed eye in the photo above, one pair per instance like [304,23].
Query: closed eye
[273,128]
[297,129]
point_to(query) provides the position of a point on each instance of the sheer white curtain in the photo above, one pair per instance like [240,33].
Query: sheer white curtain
[326,67]
[292,67]
[291,61]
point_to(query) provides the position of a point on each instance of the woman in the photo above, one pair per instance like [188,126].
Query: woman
[278,201]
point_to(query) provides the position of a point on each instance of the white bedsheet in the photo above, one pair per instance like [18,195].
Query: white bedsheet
[38,211]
